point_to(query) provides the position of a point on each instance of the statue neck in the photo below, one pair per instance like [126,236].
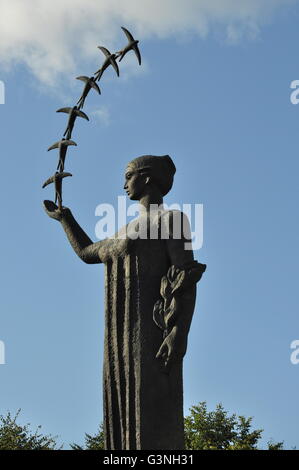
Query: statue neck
[150,199]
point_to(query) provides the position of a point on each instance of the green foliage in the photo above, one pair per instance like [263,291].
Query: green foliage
[95,442]
[275,445]
[204,430]
[14,436]
[216,430]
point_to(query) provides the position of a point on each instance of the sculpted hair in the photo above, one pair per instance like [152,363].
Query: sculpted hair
[161,169]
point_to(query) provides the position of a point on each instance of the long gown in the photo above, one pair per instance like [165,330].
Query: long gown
[143,405]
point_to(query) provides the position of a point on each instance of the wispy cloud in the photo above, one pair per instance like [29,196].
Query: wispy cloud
[102,114]
[53,37]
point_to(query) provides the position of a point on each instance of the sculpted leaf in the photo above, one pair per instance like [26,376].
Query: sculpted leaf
[158,314]
[170,314]
[172,273]
[178,282]
[165,289]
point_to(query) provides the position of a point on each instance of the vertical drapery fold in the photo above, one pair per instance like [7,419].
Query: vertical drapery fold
[142,404]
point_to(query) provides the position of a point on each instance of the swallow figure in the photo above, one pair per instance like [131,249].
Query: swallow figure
[73,114]
[89,84]
[62,145]
[110,60]
[57,180]
[131,46]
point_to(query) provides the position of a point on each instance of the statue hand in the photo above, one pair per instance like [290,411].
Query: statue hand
[173,348]
[54,211]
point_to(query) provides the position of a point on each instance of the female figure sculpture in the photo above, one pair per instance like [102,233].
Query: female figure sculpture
[150,292]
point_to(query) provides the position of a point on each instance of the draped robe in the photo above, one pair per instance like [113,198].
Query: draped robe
[143,405]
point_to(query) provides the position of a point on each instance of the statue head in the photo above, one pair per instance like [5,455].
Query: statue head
[149,174]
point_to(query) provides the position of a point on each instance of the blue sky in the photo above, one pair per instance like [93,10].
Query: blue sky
[220,106]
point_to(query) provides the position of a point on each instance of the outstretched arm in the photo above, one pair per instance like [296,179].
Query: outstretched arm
[79,240]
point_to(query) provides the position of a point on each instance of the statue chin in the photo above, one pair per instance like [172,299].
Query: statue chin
[133,198]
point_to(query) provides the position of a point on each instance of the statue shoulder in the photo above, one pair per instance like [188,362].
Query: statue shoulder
[176,223]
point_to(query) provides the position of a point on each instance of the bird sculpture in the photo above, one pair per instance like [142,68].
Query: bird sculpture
[131,46]
[89,84]
[73,114]
[110,60]
[62,145]
[57,180]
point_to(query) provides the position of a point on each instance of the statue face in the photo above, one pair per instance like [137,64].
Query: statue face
[134,184]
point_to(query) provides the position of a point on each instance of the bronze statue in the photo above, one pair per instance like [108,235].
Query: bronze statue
[150,297]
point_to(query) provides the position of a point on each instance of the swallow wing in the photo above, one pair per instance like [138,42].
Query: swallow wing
[69,142]
[95,86]
[49,181]
[114,64]
[64,110]
[63,175]
[105,51]
[137,52]
[82,115]
[128,34]
[83,78]
[54,146]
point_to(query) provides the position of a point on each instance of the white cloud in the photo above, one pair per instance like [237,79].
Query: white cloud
[103,115]
[52,37]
